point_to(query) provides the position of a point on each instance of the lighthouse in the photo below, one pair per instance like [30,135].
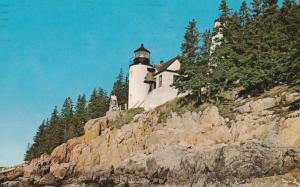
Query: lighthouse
[138,69]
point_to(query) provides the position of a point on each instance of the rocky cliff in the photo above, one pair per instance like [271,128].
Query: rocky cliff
[257,146]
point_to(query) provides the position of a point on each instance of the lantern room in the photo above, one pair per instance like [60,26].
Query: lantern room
[141,56]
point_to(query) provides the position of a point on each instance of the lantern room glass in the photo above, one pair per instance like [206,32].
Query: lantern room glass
[141,54]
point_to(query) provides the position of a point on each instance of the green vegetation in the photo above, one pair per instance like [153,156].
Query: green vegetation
[179,106]
[69,122]
[259,49]
[120,89]
[125,117]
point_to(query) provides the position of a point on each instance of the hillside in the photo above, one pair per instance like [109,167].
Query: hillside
[249,142]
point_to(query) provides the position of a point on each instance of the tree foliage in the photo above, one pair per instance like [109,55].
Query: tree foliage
[120,89]
[67,123]
[258,49]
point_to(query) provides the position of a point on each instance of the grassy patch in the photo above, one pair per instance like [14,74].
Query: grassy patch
[178,106]
[295,88]
[126,117]
[274,91]
[226,107]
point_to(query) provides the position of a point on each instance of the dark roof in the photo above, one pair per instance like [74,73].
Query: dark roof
[164,66]
[142,48]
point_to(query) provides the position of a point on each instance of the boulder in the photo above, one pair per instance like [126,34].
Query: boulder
[258,105]
[60,171]
[92,129]
[289,132]
[63,152]
[38,167]
[47,180]
[286,180]
[289,97]
[211,116]
[11,173]
[12,184]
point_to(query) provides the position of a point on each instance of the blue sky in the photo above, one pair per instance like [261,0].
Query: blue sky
[51,49]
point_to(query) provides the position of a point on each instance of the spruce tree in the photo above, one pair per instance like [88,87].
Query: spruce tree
[98,103]
[120,89]
[244,14]
[225,58]
[80,115]
[92,106]
[201,79]
[38,146]
[56,131]
[67,120]
[225,12]
[189,53]
[290,14]
[256,7]
[103,102]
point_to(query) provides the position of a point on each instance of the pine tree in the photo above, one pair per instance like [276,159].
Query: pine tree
[56,132]
[80,115]
[67,120]
[256,7]
[38,146]
[103,102]
[244,14]
[201,79]
[225,12]
[189,53]
[226,57]
[290,14]
[92,106]
[98,104]
[269,7]
[120,89]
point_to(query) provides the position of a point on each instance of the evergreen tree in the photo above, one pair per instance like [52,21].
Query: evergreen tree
[98,104]
[290,15]
[103,101]
[80,115]
[67,120]
[225,11]
[93,105]
[226,56]
[189,53]
[244,14]
[120,89]
[201,79]
[56,131]
[269,7]
[38,146]
[256,7]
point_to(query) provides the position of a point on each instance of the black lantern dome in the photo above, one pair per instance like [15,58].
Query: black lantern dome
[141,56]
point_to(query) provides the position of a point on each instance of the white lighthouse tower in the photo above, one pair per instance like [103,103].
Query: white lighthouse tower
[138,89]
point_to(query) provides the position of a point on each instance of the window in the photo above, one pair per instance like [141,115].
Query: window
[160,81]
